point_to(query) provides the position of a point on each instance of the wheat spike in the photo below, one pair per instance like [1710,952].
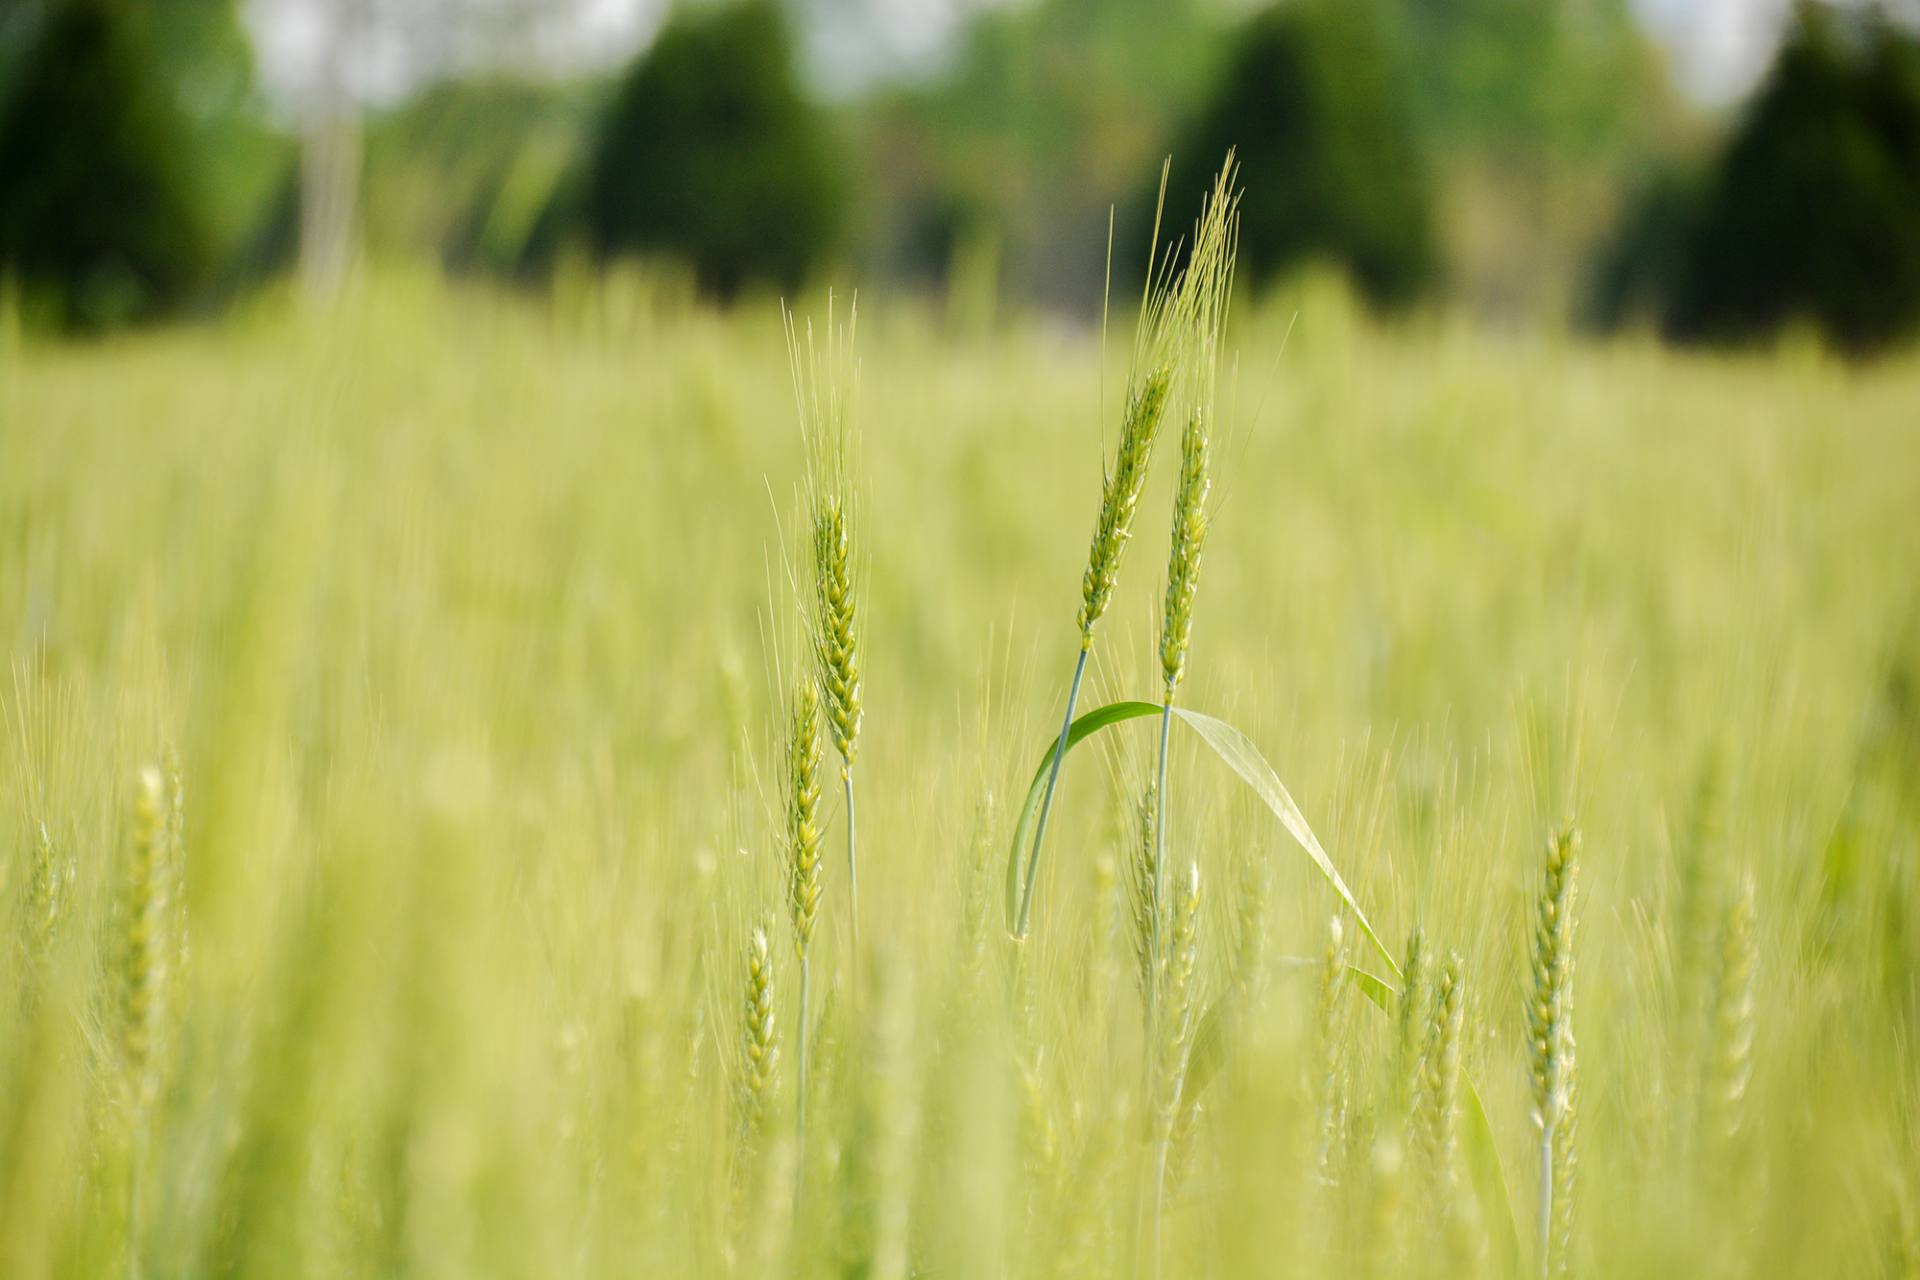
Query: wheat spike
[1182,977]
[144,953]
[837,642]
[759,1044]
[803,861]
[48,887]
[1326,1084]
[803,804]
[1142,874]
[1440,1089]
[1723,1092]
[1551,1045]
[1175,1031]
[1120,497]
[1411,1040]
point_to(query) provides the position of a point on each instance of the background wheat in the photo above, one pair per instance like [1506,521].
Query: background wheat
[454,609]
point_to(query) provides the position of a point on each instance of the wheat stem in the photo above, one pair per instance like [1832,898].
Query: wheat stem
[801,1038]
[1333,980]
[1551,1044]
[853,870]
[803,841]
[1160,834]
[1046,800]
[1181,978]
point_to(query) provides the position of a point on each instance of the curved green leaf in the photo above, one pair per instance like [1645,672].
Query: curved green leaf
[1245,759]
[1240,755]
[1489,1183]
[1083,728]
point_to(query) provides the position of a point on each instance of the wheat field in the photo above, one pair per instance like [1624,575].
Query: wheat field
[396,801]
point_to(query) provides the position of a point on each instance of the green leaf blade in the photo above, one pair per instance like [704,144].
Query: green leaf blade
[1081,729]
[1240,755]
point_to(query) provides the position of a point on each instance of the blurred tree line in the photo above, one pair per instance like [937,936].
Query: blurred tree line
[1524,158]
[134,159]
[1811,213]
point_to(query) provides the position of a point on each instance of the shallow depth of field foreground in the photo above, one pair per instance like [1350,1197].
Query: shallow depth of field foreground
[396,770]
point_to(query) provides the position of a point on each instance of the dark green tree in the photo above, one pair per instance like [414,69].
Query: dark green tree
[101,220]
[1315,99]
[1814,210]
[711,152]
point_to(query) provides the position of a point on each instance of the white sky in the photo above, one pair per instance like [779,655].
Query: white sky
[1718,46]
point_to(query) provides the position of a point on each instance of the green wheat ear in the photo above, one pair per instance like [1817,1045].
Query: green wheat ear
[1410,1044]
[759,1044]
[756,1077]
[1326,1083]
[1723,1092]
[803,824]
[144,953]
[48,887]
[1183,965]
[803,860]
[1120,496]
[1440,1085]
[1551,1045]
[823,381]
[1190,524]
[1440,1125]
[1142,875]
[837,643]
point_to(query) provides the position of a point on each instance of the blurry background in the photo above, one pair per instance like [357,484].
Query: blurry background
[1712,169]
[434,524]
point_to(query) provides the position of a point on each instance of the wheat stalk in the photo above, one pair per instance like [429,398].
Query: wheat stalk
[48,887]
[1723,1092]
[1255,891]
[1203,297]
[756,1072]
[1440,1089]
[1183,582]
[143,980]
[759,1044]
[1410,1041]
[1176,1038]
[1441,1127]
[1142,874]
[1551,1045]
[1174,315]
[803,857]
[1326,1009]
[144,953]
[1119,498]
[823,382]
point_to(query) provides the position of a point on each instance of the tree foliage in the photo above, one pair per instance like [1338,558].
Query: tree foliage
[102,214]
[711,152]
[1316,101]
[1813,212]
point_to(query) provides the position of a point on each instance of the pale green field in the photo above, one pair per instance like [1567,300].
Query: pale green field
[463,615]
